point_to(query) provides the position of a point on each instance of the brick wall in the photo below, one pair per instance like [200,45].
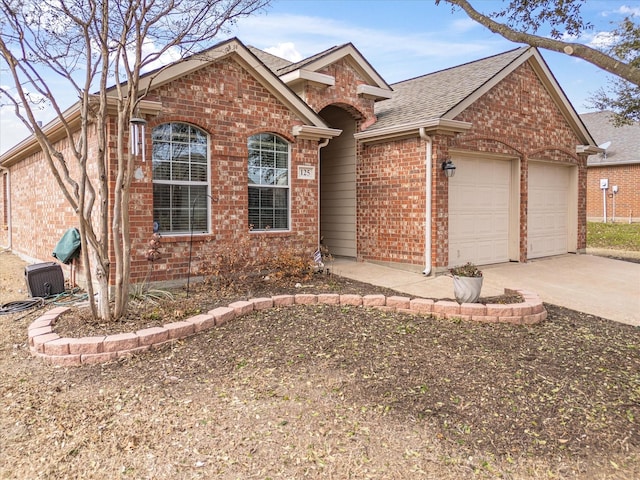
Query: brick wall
[343,94]
[391,202]
[627,200]
[517,118]
[40,212]
[230,105]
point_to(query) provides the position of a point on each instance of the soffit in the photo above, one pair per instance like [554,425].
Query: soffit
[347,52]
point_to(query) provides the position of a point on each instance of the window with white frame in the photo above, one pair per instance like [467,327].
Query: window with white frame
[269,160]
[180,179]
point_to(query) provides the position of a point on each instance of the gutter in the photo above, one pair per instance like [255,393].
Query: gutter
[428,195]
[321,145]
[435,125]
[7,207]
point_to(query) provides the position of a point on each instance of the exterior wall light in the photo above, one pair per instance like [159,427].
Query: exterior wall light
[448,168]
[137,137]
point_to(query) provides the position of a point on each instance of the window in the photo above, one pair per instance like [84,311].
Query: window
[180,179]
[268,182]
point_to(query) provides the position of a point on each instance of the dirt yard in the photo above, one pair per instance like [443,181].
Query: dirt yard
[327,392]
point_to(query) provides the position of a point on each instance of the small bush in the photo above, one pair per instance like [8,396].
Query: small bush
[250,260]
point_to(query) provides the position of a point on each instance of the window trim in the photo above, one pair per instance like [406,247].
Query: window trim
[288,186]
[208,182]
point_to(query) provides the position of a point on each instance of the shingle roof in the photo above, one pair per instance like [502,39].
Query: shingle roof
[272,62]
[308,60]
[281,66]
[433,95]
[625,140]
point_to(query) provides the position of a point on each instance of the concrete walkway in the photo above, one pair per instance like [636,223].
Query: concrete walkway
[601,286]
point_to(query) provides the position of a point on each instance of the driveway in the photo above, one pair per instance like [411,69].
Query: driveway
[601,286]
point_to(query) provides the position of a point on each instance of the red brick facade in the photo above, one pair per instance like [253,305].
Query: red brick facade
[517,117]
[627,200]
[505,121]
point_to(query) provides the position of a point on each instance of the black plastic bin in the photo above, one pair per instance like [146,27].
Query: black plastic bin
[44,279]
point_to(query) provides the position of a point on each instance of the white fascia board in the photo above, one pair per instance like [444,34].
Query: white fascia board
[556,92]
[55,129]
[253,65]
[411,129]
[376,93]
[280,90]
[310,132]
[604,163]
[590,149]
[308,76]
[357,60]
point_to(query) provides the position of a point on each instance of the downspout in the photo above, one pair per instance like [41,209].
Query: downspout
[7,196]
[428,195]
[321,145]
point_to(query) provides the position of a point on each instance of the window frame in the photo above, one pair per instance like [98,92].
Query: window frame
[274,186]
[188,183]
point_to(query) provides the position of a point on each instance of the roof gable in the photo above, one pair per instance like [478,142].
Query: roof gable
[313,128]
[307,70]
[234,48]
[436,94]
[445,94]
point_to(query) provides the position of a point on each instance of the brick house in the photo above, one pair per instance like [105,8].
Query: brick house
[619,165]
[247,148]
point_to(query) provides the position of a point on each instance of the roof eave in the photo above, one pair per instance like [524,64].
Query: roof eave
[431,126]
[303,75]
[308,132]
[55,130]
[357,60]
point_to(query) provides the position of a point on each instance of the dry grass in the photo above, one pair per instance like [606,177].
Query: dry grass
[334,392]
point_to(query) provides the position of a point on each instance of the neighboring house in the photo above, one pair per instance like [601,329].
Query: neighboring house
[284,154]
[618,166]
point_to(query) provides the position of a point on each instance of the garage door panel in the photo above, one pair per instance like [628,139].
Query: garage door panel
[548,221]
[479,196]
[480,252]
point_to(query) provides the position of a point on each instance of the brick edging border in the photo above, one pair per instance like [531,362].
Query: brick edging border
[49,346]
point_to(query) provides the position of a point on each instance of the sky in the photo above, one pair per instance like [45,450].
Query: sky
[401,39]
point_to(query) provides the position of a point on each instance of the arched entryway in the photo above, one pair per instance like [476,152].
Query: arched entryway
[338,185]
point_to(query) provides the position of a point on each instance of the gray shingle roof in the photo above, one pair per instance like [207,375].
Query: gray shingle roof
[625,141]
[272,62]
[308,60]
[433,95]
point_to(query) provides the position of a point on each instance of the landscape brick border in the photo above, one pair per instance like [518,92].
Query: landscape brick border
[49,346]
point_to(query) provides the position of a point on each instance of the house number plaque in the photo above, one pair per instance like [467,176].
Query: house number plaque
[306,172]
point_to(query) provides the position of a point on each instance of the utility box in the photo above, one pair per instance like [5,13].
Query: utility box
[44,279]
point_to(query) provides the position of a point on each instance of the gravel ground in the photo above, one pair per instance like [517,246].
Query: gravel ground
[327,392]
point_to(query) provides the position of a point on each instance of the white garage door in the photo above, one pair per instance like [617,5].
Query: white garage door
[479,196]
[548,211]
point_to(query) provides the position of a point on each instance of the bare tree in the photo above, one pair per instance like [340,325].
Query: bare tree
[90,45]
[521,20]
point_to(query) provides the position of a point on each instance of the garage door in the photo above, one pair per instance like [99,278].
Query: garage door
[548,215]
[479,196]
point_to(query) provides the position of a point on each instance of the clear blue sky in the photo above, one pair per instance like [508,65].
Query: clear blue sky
[400,38]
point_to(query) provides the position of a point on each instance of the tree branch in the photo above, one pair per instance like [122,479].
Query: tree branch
[591,55]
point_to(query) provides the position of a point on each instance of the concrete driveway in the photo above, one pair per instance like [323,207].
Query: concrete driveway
[601,286]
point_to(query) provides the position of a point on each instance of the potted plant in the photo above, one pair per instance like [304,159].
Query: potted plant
[467,282]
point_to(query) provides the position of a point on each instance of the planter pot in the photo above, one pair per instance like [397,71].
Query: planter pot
[467,289]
